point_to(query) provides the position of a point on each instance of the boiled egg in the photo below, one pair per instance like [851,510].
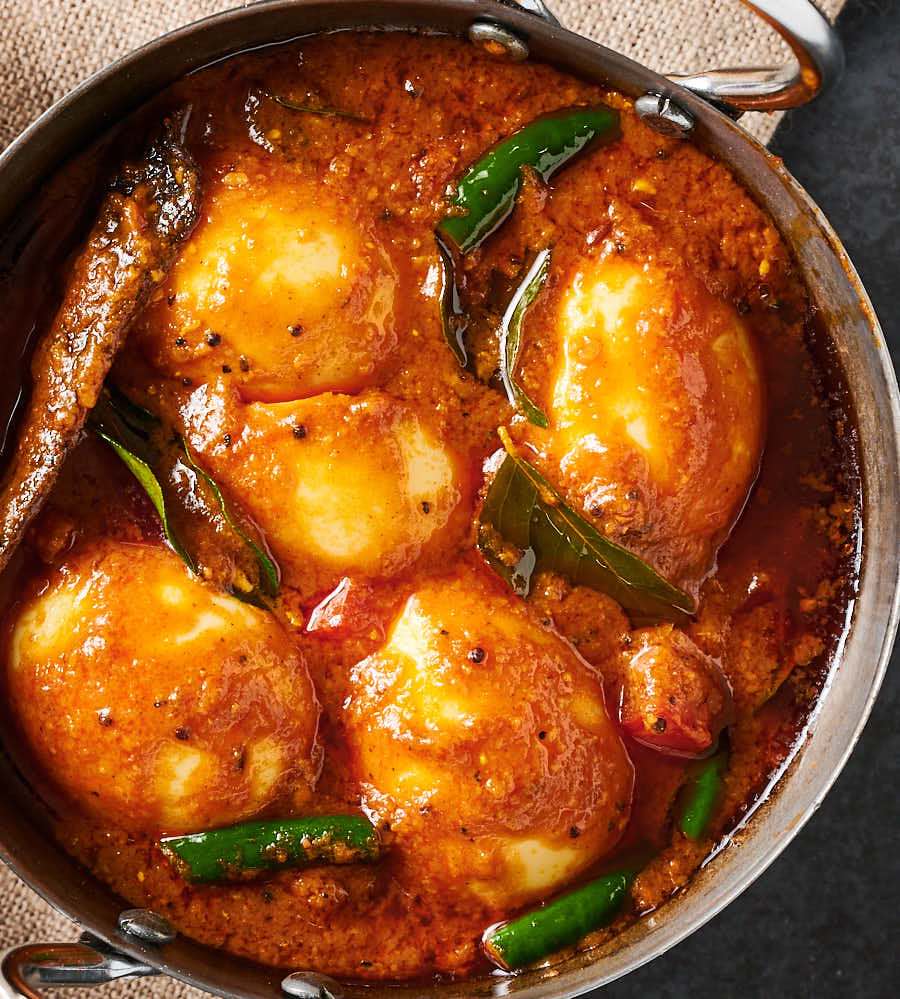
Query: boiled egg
[155,701]
[483,739]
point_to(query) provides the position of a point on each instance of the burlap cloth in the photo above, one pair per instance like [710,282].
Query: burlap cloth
[48,46]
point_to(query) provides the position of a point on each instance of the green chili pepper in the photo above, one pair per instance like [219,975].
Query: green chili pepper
[487,191]
[559,924]
[245,851]
[701,795]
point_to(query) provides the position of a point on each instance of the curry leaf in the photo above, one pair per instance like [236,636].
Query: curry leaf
[269,576]
[139,420]
[137,455]
[511,337]
[453,318]
[325,112]
[525,527]
[130,431]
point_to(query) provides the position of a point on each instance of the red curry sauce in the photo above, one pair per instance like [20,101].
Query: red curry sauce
[770,613]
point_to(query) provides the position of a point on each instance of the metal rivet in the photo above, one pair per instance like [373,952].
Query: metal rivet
[498,41]
[663,115]
[146,925]
[311,985]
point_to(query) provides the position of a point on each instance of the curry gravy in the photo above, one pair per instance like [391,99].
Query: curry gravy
[327,403]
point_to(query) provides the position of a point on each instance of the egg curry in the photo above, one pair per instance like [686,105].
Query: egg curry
[462,534]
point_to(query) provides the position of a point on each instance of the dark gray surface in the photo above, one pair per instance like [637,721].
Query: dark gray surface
[823,920]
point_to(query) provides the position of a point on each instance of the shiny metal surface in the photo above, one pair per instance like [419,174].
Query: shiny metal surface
[536,7]
[86,964]
[26,840]
[146,925]
[817,63]
[664,115]
[498,41]
[309,985]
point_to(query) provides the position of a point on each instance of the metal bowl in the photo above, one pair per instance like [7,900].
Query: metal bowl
[112,948]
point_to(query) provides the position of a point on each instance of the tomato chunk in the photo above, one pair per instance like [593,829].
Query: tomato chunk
[674,698]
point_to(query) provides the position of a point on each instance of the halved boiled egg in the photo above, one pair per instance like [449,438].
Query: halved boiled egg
[483,739]
[341,485]
[154,700]
[656,411]
[279,288]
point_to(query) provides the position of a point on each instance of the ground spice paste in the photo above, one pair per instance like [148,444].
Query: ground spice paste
[506,749]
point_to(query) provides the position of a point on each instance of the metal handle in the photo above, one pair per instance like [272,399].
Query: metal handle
[818,61]
[536,7]
[90,962]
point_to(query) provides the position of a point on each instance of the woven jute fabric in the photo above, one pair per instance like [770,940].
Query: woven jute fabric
[49,46]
